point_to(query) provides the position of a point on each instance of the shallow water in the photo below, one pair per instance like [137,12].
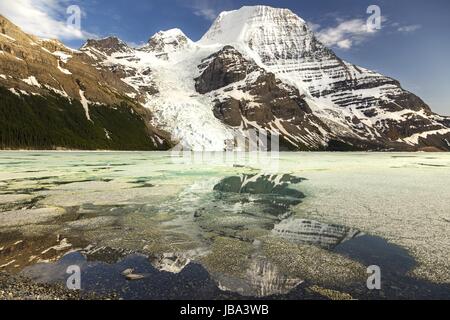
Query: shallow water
[301,226]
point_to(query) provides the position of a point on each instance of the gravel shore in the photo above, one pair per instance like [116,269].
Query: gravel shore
[19,288]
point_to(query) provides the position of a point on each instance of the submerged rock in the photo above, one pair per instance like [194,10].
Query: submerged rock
[92,223]
[27,217]
[131,276]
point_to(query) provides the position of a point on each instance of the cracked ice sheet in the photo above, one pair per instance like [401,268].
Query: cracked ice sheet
[407,206]
[402,197]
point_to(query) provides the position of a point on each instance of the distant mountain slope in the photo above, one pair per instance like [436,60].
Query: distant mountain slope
[373,107]
[52,97]
[256,68]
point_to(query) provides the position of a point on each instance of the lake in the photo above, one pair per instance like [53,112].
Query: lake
[161,225]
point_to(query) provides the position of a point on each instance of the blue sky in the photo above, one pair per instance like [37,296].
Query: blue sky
[413,45]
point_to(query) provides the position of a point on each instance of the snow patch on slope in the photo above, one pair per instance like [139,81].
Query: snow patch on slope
[64,57]
[414,139]
[65,71]
[85,104]
[32,81]
[179,109]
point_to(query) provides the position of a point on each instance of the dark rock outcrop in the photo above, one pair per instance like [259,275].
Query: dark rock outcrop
[109,45]
[264,100]
[221,69]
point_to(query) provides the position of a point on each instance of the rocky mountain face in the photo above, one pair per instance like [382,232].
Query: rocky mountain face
[54,97]
[362,108]
[256,68]
[248,96]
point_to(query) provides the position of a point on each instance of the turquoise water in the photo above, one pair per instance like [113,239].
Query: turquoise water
[294,226]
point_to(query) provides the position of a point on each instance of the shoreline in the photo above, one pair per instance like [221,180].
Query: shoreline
[215,151]
[15,287]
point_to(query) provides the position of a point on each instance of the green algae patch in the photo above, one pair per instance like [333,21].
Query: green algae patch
[330,294]
[143,234]
[229,256]
[312,263]
[252,234]
[19,218]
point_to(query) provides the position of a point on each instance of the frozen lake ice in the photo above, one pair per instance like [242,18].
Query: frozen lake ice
[307,227]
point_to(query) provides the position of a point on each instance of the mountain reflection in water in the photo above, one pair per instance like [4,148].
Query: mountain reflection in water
[239,208]
[232,221]
[271,199]
[223,230]
[324,235]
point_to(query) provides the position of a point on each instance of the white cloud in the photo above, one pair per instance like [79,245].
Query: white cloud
[134,44]
[345,44]
[346,34]
[208,9]
[43,18]
[410,28]
[313,26]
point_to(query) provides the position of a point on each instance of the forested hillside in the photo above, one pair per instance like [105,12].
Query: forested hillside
[51,122]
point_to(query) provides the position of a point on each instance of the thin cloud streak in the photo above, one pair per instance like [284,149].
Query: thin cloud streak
[207,9]
[408,29]
[43,18]
[345,34]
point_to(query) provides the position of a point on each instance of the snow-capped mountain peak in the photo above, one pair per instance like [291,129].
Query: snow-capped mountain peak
[168,41]
[108,45]
[302,90]
[246,23]
[256,68]
[277,39]
[356,100]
